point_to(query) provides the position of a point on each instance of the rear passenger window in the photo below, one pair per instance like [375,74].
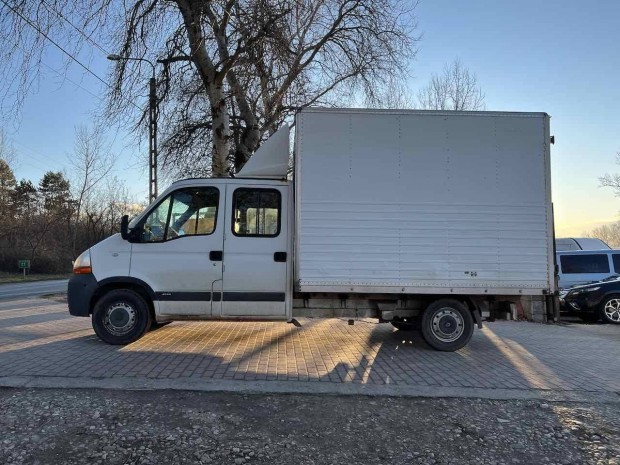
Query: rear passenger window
[256,212]
[616,259]
[573,264]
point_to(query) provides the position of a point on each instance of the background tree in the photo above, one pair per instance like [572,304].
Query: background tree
[232,70]
[7,188]
[7,151]
[612,180]
[92,162]
[610,233]
[7,195]
[455,89]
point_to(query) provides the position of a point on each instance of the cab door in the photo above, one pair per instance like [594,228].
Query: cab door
[179,250]
[256,252]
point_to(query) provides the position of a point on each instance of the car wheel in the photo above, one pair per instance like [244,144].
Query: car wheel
[610,311]
[121,317]
[447,325]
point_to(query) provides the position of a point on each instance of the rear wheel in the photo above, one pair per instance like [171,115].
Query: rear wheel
[447,325]
[610,312]
[121,317]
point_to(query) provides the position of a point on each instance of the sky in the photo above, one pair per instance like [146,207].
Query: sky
[558,57]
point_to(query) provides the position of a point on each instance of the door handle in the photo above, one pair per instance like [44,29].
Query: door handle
[279,257]
[216,255]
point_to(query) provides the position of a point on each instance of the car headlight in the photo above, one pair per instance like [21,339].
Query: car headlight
[585,291]
[82,264]
[592,289]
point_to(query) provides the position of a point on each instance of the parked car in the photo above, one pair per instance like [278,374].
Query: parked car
[596,301]
[586,266]
[580,243]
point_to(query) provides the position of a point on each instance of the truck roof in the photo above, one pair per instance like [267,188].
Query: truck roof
[422,112]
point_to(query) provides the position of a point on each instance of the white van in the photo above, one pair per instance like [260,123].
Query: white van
[417,218]
[584,266]
[580,243]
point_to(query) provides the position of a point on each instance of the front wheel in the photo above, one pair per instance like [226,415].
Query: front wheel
[610,312]
[121,317]
[447,325]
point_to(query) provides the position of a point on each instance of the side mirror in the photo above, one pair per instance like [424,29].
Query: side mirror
[125,227]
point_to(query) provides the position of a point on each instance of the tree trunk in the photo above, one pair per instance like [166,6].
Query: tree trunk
[221,131]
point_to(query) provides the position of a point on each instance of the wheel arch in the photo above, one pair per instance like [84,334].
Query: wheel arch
[125,282]
[603,302]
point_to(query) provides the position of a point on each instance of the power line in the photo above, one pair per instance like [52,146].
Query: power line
[36,28]
[81,31]
[34,155]
[31,24]
[63,76]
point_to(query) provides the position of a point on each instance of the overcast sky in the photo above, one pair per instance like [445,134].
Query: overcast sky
[560,57]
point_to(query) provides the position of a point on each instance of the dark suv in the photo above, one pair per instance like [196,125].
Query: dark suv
[594,301]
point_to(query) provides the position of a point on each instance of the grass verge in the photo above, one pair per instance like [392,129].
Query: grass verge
[19,278]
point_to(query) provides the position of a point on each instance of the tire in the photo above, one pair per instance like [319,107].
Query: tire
[447,325]
[121,317]
[589,317]
[610,310]
[411,325]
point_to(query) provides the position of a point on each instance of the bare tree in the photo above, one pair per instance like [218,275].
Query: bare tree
[7,151]
[232,70]
[612,180]
[610,233]
[455,89]
[91,161]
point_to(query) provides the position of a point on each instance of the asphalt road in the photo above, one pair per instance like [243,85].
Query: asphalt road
[32,289]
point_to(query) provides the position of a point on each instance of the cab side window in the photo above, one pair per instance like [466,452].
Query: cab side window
[256,212]
[185,212]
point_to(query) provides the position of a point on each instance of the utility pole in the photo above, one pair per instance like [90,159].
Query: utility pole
[152,124]
[152,139]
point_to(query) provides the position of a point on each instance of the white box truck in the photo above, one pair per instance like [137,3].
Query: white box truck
[418,218]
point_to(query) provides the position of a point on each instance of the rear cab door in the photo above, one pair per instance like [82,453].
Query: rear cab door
[257,251]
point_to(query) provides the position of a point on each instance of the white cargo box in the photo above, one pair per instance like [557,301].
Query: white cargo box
[423,202]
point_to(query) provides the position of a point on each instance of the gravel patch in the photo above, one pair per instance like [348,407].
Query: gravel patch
[49,426]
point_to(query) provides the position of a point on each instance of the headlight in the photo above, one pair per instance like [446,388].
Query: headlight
[82,264]
[592,289]
[584,291]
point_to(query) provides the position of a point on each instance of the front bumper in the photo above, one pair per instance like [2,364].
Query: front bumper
[80,292]
[581,304]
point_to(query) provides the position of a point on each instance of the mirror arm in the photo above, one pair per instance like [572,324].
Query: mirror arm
[125,227]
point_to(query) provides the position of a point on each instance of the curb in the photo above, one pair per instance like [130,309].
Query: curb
[305,387]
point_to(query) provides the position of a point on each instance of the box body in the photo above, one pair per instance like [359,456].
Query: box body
[423,202]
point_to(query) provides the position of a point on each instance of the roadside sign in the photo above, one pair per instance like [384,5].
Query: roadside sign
[23,265]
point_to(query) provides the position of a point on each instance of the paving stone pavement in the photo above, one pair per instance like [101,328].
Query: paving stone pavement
[38,338]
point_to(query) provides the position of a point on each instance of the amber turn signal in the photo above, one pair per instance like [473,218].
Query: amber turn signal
[82,270]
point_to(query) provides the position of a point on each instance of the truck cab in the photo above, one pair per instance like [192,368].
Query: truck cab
[217,248]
